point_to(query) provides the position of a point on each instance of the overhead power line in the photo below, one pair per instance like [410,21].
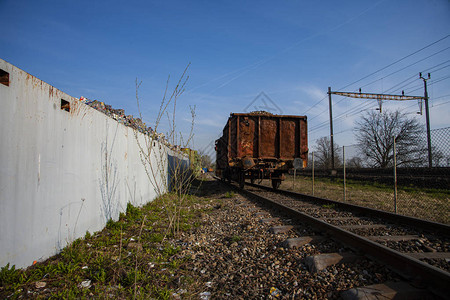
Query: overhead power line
[432,82]
[396,87]
[408,66]
[389,65]
[413,78]
[397,61]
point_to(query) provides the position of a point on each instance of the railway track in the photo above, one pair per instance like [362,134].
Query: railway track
[416,249]
[421,177]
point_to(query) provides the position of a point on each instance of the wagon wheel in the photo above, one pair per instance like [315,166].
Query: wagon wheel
[276,183]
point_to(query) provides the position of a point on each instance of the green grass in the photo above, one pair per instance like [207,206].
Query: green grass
[426,203]
[235,238]
[11,276]
[105,259]
[328,206]
[229,194]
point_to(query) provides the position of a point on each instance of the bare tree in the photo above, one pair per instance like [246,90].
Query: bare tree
[375,133]
[438,157]
[323,153]
[355,162]
[205,160]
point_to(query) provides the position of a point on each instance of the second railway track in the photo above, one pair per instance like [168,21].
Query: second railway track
[418,250]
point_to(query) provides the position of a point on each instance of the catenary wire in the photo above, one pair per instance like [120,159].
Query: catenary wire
[390,89]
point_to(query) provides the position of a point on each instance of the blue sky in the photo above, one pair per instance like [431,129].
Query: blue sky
[290,50]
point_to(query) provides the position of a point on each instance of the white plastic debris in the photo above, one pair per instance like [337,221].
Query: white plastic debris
[205,295]
[85,284]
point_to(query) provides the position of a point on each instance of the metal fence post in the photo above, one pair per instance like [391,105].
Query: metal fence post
[312,173]
[343,163]
[395,178]
[293,181]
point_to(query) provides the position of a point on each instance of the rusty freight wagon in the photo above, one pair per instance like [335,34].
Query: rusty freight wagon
[260,145]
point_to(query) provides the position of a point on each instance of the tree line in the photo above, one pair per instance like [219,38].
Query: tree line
[375,133]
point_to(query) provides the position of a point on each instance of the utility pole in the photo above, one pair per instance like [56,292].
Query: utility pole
[427,114]
[331,129]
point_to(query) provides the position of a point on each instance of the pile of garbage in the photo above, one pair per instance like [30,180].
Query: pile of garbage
[130,121]
[261,113]
[118,115]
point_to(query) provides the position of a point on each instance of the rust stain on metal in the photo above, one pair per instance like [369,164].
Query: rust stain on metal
[33,80]
[261,145]
[77,107]
[266,136]
[50,91]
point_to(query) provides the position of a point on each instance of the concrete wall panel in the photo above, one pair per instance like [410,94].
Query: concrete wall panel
[61,173]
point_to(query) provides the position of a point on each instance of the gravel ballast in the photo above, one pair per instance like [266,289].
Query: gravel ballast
[234,255]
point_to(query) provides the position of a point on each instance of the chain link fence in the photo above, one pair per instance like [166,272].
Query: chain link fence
[406,186]
[440,145]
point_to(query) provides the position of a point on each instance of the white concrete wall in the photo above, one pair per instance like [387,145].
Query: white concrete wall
[61,173]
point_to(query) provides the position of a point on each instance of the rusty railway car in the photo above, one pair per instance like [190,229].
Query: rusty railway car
[260,145]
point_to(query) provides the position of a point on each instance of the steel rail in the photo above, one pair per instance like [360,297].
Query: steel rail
[435,279]
[443,229]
